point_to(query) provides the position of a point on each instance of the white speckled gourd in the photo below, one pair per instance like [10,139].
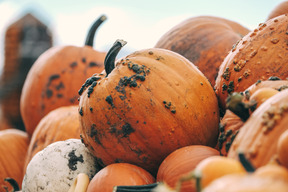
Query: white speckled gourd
[54,168]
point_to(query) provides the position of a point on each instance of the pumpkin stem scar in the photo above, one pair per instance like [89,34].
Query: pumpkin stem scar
[91,33]
[109,61]
[13,183]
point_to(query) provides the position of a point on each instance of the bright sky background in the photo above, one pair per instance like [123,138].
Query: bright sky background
[140,23]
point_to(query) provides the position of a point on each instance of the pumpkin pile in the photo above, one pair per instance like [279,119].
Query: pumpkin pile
[188,115]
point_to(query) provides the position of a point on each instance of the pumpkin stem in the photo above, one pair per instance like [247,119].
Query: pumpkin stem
[235,103]
[245,162]
[13,183]
[109,61]
[91,33]
[135,188]
[192,175]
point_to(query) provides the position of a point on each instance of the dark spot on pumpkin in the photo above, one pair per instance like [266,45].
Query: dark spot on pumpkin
[91,88]
[87,83]
[273,78]
[73,160]
[258,82]
[93,64]
[91,109]
[59,95]
[221,127]
[94,134]
[109,100]
[126,130]
[227,146]
[283,87]
[226,74]
[230,87]
[84,60]
[73,65]
[49,93]
[81,111]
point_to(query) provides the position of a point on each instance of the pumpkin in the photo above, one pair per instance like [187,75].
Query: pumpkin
[257,56]
[204,40]
[13,147]
[182,161]
[257,136]
[153,102]
[264,179]
[280,9]
[55,167]
[59,124]
[282,149]
[119,174]
[55,77]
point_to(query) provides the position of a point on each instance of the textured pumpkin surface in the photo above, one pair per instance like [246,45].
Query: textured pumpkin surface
[181,162]
[119,174]
[281,8]
[54,80]
[152,103]
[13,148]
[204,40]
[58,125]
[282,149]
[259,55]
[257,137]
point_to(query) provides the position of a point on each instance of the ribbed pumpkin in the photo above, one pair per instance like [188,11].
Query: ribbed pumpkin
[58,125]
[13,148]
[280,9]
[119,174]
[282,149]
[55,77]
[181,162]
[258,137]
[204,40]
[259,55]
[153,102]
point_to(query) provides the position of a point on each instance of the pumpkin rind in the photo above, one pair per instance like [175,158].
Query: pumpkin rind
[280,9]
[204,40]
[257,56]
[152,103]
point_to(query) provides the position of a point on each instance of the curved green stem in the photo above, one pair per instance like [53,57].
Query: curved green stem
[91,33]
[109,61]
[235,104]
[245,162]
[13,183]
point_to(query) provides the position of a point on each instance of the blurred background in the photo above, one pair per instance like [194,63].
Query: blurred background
[29,27]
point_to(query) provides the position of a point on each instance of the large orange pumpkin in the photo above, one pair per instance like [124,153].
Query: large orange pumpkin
[153,102]
[259,55]
[55,77]
[58,125]
[13,148]
[204,40]
[258,137]
[280,9]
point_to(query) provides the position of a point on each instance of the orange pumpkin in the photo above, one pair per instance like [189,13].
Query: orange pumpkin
[282,149]
[181,162]
[153,102]
[54,79]
[257,136]
[280,9]
[58,125]
[204,40]
[119,174]
[257,56]
[13,148]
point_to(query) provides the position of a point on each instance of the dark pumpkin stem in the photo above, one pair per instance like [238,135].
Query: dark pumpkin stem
[234,103]
[135,188]
[91,33]
[13,183]
[109,61]
[245,162]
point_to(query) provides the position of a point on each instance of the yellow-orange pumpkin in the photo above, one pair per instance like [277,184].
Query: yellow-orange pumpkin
[153,102]
[13,149]
[54,79]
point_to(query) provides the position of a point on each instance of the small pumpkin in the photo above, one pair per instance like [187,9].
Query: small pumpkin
[257,56]
[257,136]
[59,124]
[151,103]
[13,148]
[204,40]
[55,77]
[119,174]
[182,161]
[280,9]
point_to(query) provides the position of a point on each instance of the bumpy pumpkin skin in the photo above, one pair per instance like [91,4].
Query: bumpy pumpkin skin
[58,125]
[204,40]
[13,147]
[257,137]
[167,104]
[259,55]
[54,79]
